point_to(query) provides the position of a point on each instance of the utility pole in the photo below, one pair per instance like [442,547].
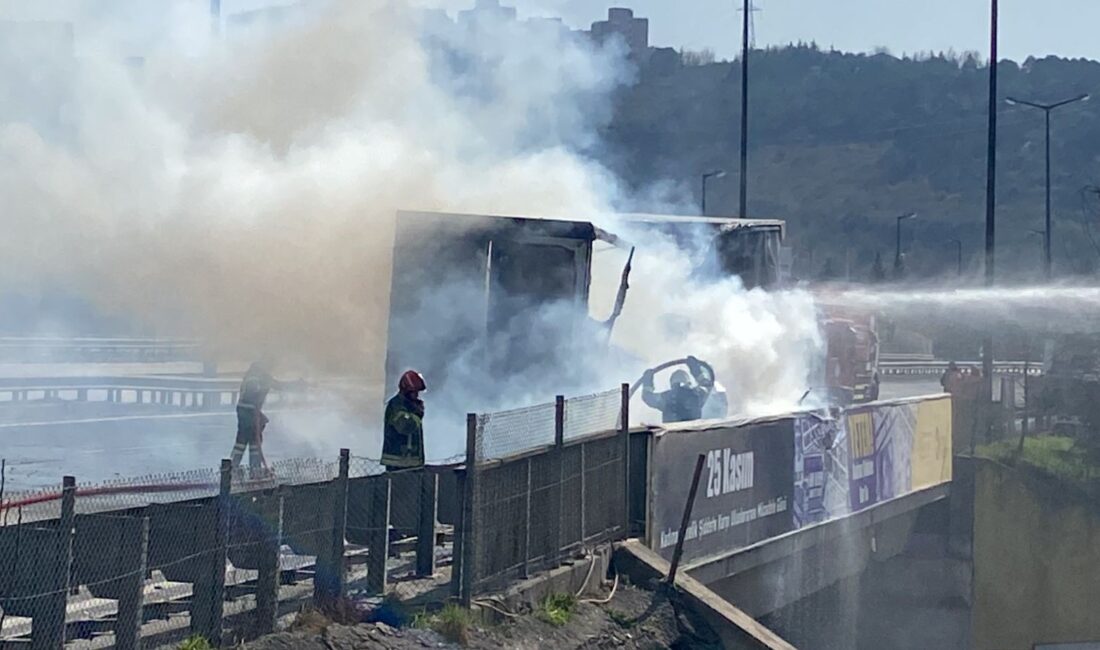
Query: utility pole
[216,16]
[1047,109]
[743,212]
[897,250]
[990,197]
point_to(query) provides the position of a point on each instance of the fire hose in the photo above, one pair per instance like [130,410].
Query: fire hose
[666,365]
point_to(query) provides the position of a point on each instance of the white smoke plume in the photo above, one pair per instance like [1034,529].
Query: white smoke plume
[243,190]
[762,344]
[246,194]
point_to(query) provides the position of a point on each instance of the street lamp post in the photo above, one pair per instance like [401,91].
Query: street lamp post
[717,173]
[897,250]
[990,203]
[1047,110]
[744,199]
[1043,234]
[958,255]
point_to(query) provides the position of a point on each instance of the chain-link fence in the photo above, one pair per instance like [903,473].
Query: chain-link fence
[221,554]
[539,493]
[507,433]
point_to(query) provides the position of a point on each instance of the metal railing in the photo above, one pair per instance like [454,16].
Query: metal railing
[937,368]
[152,560]
[173,392]
[550,497]
[223,551]
[22,349]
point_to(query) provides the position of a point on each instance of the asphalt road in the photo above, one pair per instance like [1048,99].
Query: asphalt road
[95,447]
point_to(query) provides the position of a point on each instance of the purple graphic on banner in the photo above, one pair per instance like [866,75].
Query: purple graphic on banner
[814,436]
[894,427]
[862,483]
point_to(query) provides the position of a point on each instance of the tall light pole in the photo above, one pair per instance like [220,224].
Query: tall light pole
[743,211]
[1043,234]
[1047,109]
[897,250]
[990,200]
[717,173]
[958,255]
[216,16]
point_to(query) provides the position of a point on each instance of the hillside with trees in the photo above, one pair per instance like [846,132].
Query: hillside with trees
[841,144]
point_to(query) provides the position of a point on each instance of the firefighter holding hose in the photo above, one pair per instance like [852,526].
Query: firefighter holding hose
[684,400]
[251,421]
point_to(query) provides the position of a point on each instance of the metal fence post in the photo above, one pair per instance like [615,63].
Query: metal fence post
[458,552]
[679,550]
[425,532]
[379,534]
[48,620]
[469,514]
[329,579]
[525,570]
[68,526]
[557,532]
[208,600]
[624,431]
[267,573]
[584,492]
[132,587]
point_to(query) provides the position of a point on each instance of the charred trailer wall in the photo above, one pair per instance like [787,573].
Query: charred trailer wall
[469,294]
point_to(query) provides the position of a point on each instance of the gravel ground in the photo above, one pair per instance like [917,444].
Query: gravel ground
[635,618]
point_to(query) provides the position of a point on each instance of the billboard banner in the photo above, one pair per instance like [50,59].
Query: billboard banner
[896,448]
[820,468]
[862,483]
[745,491]
[813,437]
[894,425]
[932,440]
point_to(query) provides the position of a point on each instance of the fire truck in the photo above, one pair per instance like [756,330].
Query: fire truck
[851,354]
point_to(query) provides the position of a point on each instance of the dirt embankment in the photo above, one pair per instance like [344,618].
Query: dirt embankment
[634,618]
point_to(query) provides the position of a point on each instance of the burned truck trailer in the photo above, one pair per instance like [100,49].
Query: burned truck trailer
[485,304]
[751,249]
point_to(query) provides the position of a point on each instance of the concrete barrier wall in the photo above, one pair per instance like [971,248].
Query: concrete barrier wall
[1036,559]
[765,477]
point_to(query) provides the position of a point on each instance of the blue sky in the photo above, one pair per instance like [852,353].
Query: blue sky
[1029,27]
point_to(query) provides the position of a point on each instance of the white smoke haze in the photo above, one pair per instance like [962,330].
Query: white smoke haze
[762,344]
[243,191]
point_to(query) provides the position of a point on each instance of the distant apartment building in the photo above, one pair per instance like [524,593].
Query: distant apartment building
[486,11]
[622,23]
[263,18]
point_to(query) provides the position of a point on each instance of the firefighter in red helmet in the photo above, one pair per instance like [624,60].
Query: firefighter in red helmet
[403,436]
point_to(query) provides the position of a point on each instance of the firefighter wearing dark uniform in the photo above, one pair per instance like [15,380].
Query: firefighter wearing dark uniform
[403,433]
[255,386]
[682,402]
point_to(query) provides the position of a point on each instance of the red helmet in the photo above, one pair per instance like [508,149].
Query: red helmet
[411,382]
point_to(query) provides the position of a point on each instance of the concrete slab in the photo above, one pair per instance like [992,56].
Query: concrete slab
[737,629]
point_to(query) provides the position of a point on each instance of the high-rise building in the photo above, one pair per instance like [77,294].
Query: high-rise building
[486,11]
[621,22]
